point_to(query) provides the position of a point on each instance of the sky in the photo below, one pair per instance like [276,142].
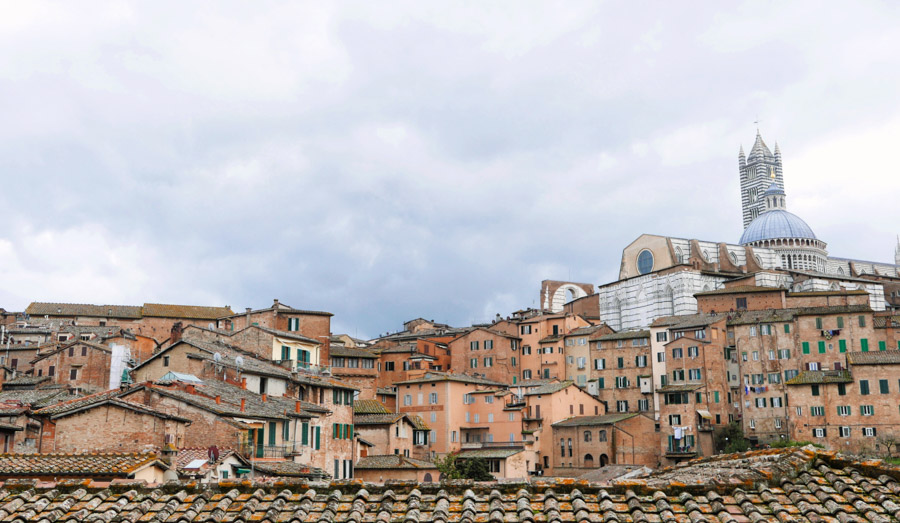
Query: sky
[391,160]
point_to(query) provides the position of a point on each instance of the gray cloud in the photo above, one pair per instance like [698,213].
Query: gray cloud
[419,159]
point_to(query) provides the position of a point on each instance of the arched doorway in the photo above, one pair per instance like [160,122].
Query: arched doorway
[588,461]
[427,478]
[604,460]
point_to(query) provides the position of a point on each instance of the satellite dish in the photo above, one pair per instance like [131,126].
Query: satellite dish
[239,360]
[217,357]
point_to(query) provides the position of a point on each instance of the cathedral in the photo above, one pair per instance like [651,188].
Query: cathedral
[659,275]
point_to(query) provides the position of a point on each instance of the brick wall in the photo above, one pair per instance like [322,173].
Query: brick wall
[110,428]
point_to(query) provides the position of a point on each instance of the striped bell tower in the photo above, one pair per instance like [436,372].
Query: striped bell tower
[758,171]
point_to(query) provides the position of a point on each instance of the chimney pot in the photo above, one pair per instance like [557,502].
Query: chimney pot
[264,399]
[297,407]
[218,400]
[189,389]
[244,383]
[243,404]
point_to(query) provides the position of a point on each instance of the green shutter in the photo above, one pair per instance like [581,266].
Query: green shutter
[318,437]
[334,397]
[304,437]
[285,431]
[601,383]
[864,343]
[882,345]
[272,426]
[334,431]
[351,431]
[818,323]
[840,322]
[514,380]
[842,345]
[821,347]
[805,347]
[716,396]
[787,328]
[285,352]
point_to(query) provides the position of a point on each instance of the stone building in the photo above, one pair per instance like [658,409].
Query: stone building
[621,371]
[82,365]
[487,353]
[585,443]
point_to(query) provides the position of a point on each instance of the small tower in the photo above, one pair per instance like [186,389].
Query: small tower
[897,252]
[757,172]
[775,197]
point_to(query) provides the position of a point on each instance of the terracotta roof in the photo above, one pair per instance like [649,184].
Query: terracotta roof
[626,335]
[768,486]
[78,403]
[433,376]
[288,469]
[204,350]
[418,422]
[25,380]
[370,407]
[688,321]
[549,388]
[284,334]
[376,419]
[351,352]
[589,421]
[489,453]
[35,398]
[120,465]
[392,461]
[814,377]
[195,312]
[386,391]
[884,322]
[551,338]
[189,454]
[880,357]
[83,309]
[812,294]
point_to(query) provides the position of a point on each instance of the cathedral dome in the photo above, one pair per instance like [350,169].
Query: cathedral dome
[776,223]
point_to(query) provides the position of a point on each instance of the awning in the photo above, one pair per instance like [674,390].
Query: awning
[704,414]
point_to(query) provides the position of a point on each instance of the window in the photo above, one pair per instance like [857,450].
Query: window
[840,322]
[805,346]
[760,403]
[674,419]
[621,406]
[700,334]
[864,387]
[821,347]
[662,336]
[473,363]
[165,361]
[407,399]
[694,374]
[882,345]
[526,329]
[755,355]
[845,432]
[620,363]
[678,375]
[753,424]
[488,362]
[766,329]
[645,262]
[661,357]
[777,423]
[862,321]
[817,411]
[787,328]
[640,361]
[84,350]
[784,354]
[752,331]
[771,354]
[73,374]
[389,366]
[819,323]
[433,398]
[843,410]
[587,436]
[868,432]
[741,303]
[790,374]
[867,410]
[599,364]
[864,344]
[526,374]
[775,401]
[468,399]
[477,418]
[473,345]
[677,352]
[774,377]
[883,386]
[488,344]
[814,390]
[799,411]
[643,405]
[621,382]
[842,389]
[693,352]
[601,383]
[513,362]
[526,349]
[818,433]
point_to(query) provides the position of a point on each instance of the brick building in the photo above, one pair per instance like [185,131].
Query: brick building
[356,367]
[620,371]
[104,423]
[82,365]
[315,325]
[487,353]
[584,443]
[387,432]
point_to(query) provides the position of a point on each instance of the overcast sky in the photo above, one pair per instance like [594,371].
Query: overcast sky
[389,160]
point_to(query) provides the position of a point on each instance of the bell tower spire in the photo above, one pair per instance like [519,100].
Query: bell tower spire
[897,251]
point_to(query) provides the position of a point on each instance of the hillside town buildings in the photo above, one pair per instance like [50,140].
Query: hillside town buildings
[769,338]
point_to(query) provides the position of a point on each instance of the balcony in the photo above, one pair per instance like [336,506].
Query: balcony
[681,452]
[705,427]
[515,402]
[269,451]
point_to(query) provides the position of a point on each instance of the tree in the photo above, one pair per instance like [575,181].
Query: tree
[451,467]
[731,439]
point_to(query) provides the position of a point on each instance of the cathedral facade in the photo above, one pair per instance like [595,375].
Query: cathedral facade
[659,275]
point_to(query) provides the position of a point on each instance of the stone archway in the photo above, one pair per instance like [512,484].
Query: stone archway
[604,460]
[427,478]
[588,461]
[555,294]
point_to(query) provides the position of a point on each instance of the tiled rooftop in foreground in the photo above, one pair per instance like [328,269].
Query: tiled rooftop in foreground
[766,486]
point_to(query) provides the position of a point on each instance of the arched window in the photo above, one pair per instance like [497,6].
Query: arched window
[588,461]
[734,259]
[587,436]
[601,436]
[427,478]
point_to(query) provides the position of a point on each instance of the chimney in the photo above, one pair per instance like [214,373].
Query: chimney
[297,407]
[218,400]
[243,404]
[244,383]
[276,302]
[264,398]
[190,389]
